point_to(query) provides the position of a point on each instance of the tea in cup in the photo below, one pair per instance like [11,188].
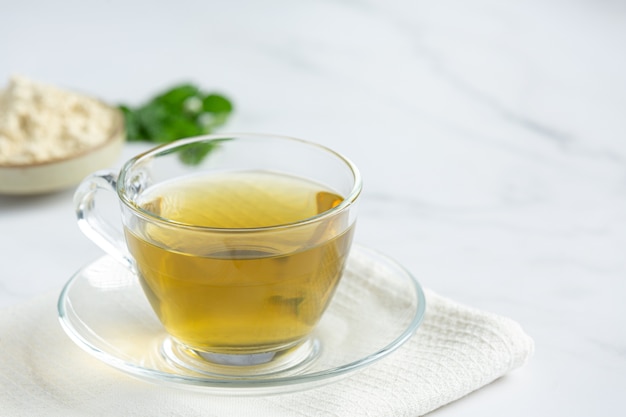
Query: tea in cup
[238,255]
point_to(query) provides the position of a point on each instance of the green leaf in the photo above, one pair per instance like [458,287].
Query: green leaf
[177,127]
[175,97]
[131,123]
[215,103]
[152,119]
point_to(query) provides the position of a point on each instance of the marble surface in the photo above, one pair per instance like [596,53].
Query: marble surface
[491,137]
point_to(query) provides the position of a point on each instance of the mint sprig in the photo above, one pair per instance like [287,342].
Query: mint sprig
[178,112]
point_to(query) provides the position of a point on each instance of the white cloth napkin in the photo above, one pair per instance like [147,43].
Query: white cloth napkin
[456,351]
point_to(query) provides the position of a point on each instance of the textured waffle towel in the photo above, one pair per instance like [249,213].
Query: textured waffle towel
[456,351]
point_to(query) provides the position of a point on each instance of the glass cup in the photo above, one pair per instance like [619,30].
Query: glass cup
[238,241]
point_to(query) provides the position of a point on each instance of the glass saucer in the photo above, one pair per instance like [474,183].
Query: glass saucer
[376,308]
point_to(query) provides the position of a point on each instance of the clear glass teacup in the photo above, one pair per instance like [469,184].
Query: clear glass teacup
[239,252]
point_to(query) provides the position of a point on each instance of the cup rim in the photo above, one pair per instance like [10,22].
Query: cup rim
[347,202]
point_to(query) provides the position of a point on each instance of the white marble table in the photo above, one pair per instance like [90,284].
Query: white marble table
[491,136]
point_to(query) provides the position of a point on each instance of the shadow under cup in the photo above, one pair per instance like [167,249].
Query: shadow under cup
[239,254]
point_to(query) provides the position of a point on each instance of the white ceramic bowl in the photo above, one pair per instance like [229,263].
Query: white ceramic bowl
[59,174]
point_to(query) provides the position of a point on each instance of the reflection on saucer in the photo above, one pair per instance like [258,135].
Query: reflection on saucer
[99,276]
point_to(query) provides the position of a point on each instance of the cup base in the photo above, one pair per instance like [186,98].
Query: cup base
[289,361]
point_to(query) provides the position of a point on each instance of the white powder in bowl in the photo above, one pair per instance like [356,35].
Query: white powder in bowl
[41,123]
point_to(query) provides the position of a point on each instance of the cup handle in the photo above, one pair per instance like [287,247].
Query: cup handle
[92,224]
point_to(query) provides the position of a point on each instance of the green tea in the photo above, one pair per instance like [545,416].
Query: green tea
[226,288]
